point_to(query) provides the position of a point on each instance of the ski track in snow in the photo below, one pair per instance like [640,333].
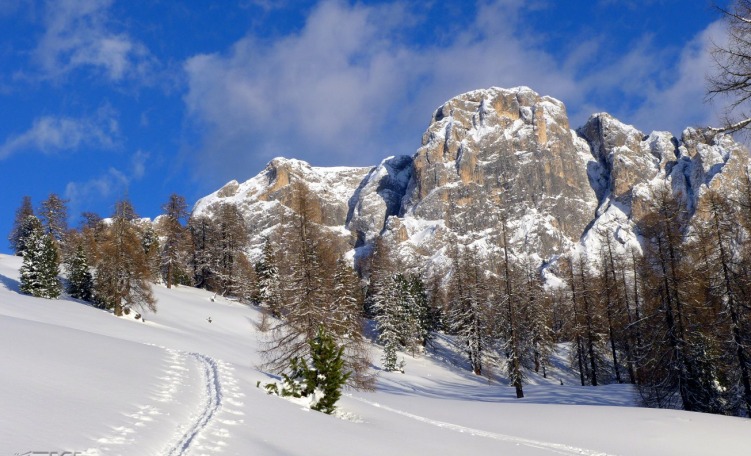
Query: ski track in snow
[204,433]
[558,448]
[213,402]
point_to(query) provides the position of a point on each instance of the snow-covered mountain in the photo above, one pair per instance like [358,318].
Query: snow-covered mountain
[495,151]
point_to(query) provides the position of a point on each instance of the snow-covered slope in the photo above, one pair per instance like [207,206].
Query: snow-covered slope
[75,378]
[264,200]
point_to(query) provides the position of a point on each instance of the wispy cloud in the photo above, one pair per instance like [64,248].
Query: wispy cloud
[100,187]
[51,134]
[111,183]
[78,35]
[677,104]
[349,88]
[138,164]
[8,7]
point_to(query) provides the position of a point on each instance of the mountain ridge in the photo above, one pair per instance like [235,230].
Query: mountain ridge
[493,151]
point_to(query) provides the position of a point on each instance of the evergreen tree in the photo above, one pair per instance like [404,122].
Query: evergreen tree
[322,379]
[425,315]
[19,232]
[53,214]
[327,373]
[378,270]
[346,325]
[41,264]
[267,274]
[434,318]
[80,280]
[173,235]
[412,302]
[231,239]
[388,318]
[217,245]
[399,305]
[150,245]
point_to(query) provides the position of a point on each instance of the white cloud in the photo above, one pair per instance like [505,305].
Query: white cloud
[77,35]
[8,7]
[678,104]
[350,89]
[113,182]
[50,134]
[101,187]
[346,89]
[323,91]
[265,5]
[138,164]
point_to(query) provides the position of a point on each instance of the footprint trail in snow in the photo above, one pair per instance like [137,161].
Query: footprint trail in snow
[204,431]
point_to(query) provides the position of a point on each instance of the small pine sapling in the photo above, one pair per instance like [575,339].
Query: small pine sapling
[321,381]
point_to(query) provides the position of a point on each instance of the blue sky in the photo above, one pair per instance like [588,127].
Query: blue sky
[107,98]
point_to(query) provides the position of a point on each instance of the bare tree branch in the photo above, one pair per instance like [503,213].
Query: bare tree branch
[732,73]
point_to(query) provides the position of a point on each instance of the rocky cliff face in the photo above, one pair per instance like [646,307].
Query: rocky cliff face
[265,199]
[493,153]
[496,150]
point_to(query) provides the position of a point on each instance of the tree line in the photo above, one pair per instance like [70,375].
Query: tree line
[671,316]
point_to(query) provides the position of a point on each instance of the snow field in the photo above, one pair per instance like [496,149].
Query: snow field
[75,378]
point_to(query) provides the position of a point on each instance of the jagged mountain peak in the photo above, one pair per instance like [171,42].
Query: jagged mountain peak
[492,151]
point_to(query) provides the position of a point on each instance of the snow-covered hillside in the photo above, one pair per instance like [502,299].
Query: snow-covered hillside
[75,378]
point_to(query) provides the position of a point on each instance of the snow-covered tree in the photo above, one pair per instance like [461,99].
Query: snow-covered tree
[244,285]
[20,230]
[217,243]
[80,280]
[346,324]
[53,214]
[267,275]
[318,376]
[387,308]
[150,245]
[41,264]
[317,293]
